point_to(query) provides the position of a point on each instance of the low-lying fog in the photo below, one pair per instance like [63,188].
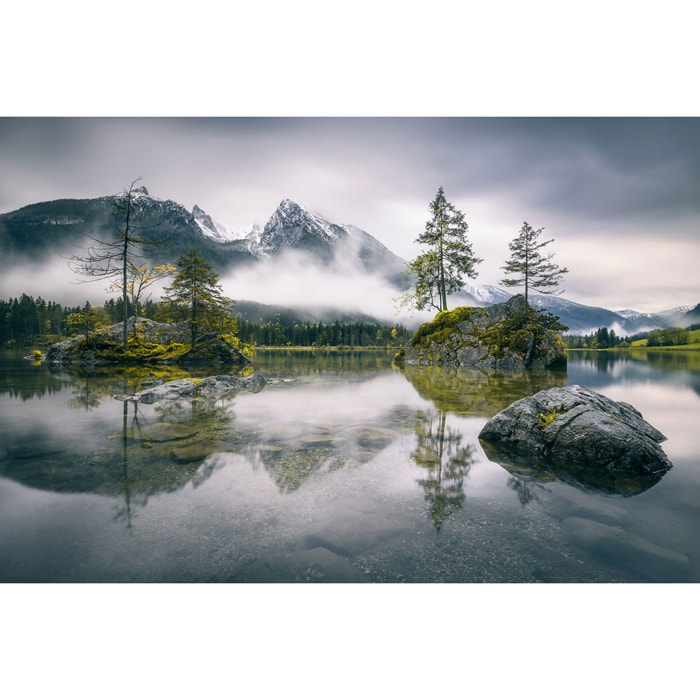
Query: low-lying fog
[289,280]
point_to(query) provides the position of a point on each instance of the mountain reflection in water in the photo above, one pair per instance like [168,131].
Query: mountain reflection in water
[305,428]
[344,468]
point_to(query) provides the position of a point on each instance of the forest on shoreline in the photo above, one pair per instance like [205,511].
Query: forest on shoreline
[29,323]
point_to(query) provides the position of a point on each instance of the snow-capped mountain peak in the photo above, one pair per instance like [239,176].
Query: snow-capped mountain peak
[213,229]
[487,293]
[293,226]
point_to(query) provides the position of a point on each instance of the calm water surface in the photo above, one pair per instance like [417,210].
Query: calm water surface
[345,469]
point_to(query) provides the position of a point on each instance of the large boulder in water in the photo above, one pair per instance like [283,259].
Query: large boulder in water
[575,426]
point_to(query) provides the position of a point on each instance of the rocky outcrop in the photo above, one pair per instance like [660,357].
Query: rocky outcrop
[207,388]
[574,426]
[150,342]
[507,336]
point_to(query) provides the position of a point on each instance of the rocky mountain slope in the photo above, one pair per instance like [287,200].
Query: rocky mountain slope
[46,231]
[41,231]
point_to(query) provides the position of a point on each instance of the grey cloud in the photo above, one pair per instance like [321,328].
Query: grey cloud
[619,179]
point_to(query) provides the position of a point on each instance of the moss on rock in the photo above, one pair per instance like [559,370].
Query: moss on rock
[510,335]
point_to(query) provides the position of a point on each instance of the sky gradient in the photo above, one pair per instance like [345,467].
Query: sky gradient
[619,196]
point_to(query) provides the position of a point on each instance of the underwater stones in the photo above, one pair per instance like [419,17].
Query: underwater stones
[317,565]
[637,554]
[574,426]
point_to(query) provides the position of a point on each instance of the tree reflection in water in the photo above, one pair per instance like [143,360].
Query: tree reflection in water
[525,488]
[439,450]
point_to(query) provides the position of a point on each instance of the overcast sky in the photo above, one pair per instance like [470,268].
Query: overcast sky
[619,196]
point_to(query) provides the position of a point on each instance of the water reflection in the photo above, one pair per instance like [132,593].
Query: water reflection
[305,362]
[473,392]
[295,451]
[440,451]
[479,393]
[304,430]
[527,478]
[152,452]
[666,360]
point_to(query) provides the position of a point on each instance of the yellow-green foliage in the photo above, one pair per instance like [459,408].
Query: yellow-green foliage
[235,342]
[547,418]
[136,352]
[442,326]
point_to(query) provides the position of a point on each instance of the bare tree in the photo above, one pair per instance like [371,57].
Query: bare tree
[115,260]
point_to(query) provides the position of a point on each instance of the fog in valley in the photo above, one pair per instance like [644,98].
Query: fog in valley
[290,280]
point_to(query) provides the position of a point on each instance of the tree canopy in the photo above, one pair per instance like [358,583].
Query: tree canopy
[196,292]
[532,269]
[449,258]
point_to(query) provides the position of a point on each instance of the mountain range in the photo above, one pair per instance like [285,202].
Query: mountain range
[44,231]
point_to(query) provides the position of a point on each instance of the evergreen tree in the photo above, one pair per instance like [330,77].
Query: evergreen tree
[449,258]
[531,268]
[196,290]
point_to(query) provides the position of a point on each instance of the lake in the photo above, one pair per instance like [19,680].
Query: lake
[344,469]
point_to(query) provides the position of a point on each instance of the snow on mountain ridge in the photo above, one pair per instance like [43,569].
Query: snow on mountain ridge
[291,225]
[213,229]
[486,293]
[632,314]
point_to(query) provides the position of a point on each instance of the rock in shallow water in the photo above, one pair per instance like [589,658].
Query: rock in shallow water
[576,426]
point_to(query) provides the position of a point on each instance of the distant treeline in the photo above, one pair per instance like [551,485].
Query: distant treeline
[28,322]
[605,338]
[310,333]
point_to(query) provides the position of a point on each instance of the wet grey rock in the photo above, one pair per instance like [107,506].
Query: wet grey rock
[574,426]
[221,385]
[177,389]
[207,388]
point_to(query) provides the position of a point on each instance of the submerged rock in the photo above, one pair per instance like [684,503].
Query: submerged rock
[507,336]
[209,387]
[574,426]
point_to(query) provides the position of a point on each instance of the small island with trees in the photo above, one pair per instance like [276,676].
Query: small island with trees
[511,335]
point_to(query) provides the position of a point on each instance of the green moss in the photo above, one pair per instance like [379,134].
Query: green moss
[400,356]
[137,352]
[526,333]
[442,326]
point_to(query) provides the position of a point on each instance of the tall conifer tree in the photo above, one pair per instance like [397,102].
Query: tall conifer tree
[441,269]
[531,269]
[196,289]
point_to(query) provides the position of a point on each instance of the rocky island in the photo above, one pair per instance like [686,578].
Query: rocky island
[506,336]
[150,343]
